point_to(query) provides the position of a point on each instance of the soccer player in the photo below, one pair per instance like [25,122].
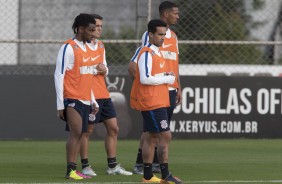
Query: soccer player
[149,94]
[73,79]
[106,113]
[169,13]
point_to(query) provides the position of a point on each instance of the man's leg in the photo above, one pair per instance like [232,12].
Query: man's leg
[86,168]
[163,147]
[138,168]
[85,142]
[165,138]
[111,146]
[73,141]
[111,139]
[148,148]
[172,101]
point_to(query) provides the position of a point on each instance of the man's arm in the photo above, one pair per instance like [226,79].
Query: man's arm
[65,60]
[95,106]
[102,68]
[179,92]
[132,69]
[132,65]
[145,69]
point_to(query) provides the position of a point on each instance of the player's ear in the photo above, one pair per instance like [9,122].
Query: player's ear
[166,13]
[80,29]
[150,34]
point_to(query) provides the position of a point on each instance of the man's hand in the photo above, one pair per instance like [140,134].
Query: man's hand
[169,74]
[101,69]
[178,97]
[95,109]
[60,114]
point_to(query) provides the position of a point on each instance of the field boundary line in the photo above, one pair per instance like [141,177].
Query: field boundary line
[188,182]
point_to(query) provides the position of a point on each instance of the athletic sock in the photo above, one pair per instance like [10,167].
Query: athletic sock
[139,159]
[112,162]
[164,170]
[148,174]
[84,163]
[70,167]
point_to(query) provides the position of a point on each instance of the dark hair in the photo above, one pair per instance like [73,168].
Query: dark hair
[83,20]
[96,16]
[166,5]
[153,24]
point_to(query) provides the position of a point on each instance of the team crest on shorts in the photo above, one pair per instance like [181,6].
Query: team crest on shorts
[92,117]
[71,105]
[164,124]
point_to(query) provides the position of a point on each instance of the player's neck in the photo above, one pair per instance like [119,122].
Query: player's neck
[79,37]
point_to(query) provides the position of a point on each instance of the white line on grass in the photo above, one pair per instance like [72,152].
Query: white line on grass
[222,181]
[238,181]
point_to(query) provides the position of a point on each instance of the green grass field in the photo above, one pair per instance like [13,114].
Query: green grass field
[194,161]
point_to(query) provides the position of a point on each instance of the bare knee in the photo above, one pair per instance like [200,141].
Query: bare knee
[111,126]
[113,131]
[90,129]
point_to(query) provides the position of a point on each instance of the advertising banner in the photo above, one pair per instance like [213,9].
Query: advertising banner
[212,107]
[229,107]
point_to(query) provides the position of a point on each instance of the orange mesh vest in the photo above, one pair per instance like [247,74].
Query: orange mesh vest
[169,51]
[77,81]
[149,97]
[99,85]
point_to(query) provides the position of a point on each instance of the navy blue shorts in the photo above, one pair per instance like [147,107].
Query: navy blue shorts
[82,109]
[172,101]
[155,121]
[106,110]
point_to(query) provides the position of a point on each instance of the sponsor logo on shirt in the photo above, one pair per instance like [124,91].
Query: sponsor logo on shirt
[166,46]
[93,59]
[169,55]
[85,60]
[162,64]
[87,69]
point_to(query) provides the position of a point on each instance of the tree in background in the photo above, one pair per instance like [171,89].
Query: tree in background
[121,53]
[217,20]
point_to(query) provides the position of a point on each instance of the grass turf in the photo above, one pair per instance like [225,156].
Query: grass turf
[194,161]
